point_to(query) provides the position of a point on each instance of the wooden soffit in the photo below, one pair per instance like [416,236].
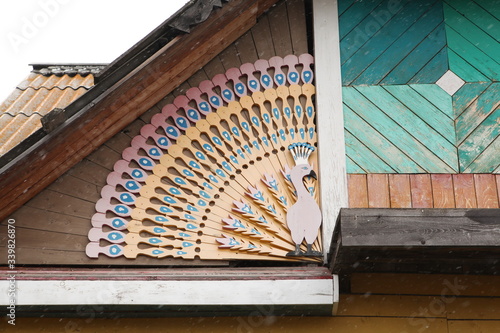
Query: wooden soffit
[113,109]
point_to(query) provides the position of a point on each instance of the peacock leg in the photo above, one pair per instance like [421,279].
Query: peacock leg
[311,253]
[296,252]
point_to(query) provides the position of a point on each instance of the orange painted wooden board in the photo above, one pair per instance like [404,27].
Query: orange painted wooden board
[399,189]
[479,326]
[358,191]
[442,191]
[486,191]
[421,191]
[465,193]
[378,191]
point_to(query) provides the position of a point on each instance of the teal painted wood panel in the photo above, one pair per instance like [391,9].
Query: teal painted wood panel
[355,13]
[480,16]
[470,31]
[364,28]
[425,110]
[493,7]
[427,142]
[437,96]
[399,26]
[463,69]
[478,111]
[482,62]
[375,141]
[478,127]
[352,167]
[418,58]
[480,151]
[411,135]
[402,47]
[466,95]
[365,159]
[433,70]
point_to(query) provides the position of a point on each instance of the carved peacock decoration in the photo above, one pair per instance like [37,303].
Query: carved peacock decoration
[224,172]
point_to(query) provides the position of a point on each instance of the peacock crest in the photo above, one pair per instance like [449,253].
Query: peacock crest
[224,172]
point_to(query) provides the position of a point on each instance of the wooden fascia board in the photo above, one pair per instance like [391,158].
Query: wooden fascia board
[289,289]
[118,106]
[419,228]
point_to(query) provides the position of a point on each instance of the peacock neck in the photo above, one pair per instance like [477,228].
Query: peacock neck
[297,181]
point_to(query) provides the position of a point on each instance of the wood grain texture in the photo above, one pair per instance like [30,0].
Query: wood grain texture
[358,191]
[378,191]
[400,191]
[459,326]
[465,192]
[486,191]
[421,191]
[330,116]
[278,22]
[420,227]
[426,284]
[443,191]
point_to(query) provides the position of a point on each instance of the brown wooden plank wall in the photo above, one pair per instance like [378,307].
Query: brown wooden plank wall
[424,191]
[375,303]
[52,227]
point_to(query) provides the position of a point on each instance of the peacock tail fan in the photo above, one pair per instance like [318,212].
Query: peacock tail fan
[208,177]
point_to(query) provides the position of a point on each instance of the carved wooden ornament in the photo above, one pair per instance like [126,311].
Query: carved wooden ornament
[225,172]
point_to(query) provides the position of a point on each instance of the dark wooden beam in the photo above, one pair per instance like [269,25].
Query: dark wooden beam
[118,106]
[418,240]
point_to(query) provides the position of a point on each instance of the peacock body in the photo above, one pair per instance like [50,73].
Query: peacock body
[224,172]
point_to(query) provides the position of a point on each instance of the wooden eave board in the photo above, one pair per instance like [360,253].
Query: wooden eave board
[125,101]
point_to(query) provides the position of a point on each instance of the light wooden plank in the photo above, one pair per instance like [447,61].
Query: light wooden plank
[486,191]
[465,193]
[298,29]
[421,191]
[378,191]
[426,284]
[358,191]
[473,308]
[172,292]
[329,117]
[466,326]
[442,191]
[399,190]
[259,320]
[370,305]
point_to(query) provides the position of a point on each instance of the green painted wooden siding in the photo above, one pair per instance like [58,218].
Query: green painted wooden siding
[397,117]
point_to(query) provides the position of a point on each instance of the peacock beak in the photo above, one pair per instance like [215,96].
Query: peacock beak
[313,174]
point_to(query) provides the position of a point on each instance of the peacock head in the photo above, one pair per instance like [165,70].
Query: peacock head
[301,152]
